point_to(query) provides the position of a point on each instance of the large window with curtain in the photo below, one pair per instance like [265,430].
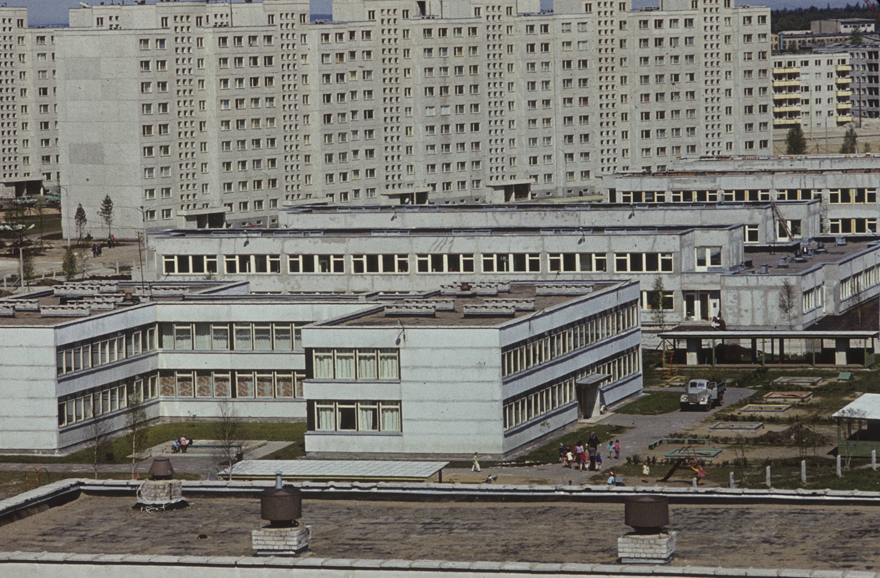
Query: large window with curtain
[218,337]
[362,416]
[356,364]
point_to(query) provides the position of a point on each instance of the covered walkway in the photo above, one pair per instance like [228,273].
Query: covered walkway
[712,346]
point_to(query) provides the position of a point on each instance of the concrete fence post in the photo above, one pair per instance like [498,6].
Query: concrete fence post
[732,483]
[117,267]
[874,460]
[768,477]
[839,471]
[804,471]
[694,483]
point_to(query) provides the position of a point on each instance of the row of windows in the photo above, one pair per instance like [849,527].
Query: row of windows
[364,416]
[561,341]
[852,226]
[356,364]
[425,263]
[104,400]
[105,349]
[859,282]
[260,384]
[813,298]
[231,337]
[535,404]
[835,196]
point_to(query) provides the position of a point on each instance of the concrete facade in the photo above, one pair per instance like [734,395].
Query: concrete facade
[812,90]
[187,349]
[845,185]
[200,114]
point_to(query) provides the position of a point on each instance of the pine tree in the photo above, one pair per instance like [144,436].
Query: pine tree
[80,219]
[855,39]
[106,213]
[795,143]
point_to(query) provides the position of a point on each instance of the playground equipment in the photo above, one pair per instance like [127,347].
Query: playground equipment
[691,459]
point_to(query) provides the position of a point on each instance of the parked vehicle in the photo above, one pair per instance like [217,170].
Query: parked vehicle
[703,394]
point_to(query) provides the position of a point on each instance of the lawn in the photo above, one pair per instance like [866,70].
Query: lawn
[12,483]
[116,450]
[654,403]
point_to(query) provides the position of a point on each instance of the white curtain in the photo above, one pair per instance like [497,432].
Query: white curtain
[262,337]
[243,337]
[325,418]
[282,337]
[388,365]
[220,338]
[367,418]
[323,364]
[367,365]
[390,418]
[344,364]
[203,336]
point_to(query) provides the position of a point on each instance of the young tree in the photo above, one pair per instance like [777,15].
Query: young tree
[69,265]
[136,421]
[855,39]
[80,219]
[99,436]
[228,433]
[850,144]
[106,214]
[795,143]
[658,314]
[787,301]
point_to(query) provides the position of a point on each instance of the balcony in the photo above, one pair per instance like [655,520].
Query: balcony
[786,109]
[786,71]
[843,68]
[843,80]
[844,119]
[787,96]
[778,83]
[843,93]
[842,105]
[788,121]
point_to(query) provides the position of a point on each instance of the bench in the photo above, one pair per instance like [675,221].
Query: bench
[198,446]
[683,441]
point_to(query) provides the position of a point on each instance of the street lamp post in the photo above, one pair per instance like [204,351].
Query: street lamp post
[20,231]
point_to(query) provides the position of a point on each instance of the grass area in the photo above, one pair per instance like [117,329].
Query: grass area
[653,403]
[116,450]
[12,483]
[549,452]
[784,474]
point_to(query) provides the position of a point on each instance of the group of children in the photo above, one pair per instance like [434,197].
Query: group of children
[579,457]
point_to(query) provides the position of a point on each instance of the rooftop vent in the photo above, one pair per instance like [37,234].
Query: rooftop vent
[415,309]
[783,262]
[7,310]
[439,304]
[517,304]
[562,289]
[72,310]
[488,309]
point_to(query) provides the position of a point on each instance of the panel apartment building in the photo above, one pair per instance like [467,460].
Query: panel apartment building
[194,114]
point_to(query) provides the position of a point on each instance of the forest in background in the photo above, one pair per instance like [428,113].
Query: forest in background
[800,18]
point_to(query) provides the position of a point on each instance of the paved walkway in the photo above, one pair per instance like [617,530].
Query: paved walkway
[644,429]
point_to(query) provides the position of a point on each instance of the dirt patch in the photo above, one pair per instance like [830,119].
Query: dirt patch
[797,435]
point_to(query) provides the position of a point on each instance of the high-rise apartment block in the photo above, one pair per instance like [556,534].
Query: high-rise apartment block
[193,114]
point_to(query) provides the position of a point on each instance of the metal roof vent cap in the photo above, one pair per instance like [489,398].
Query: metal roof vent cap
[646,514]
[281,506]
[161,468]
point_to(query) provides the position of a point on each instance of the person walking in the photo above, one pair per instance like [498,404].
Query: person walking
[616,450]
[592,451]
[646,471]
[476,466]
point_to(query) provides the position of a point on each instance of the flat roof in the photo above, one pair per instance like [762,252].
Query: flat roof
[372,470]
[775,334]
[865,407]
[514,300]
[772,255]
[710,535]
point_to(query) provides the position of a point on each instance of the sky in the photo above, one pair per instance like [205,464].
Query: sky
[47,12]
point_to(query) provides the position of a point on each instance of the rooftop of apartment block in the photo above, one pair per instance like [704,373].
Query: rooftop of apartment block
[797,258]
[712,535]
[819,164]
[475,304]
